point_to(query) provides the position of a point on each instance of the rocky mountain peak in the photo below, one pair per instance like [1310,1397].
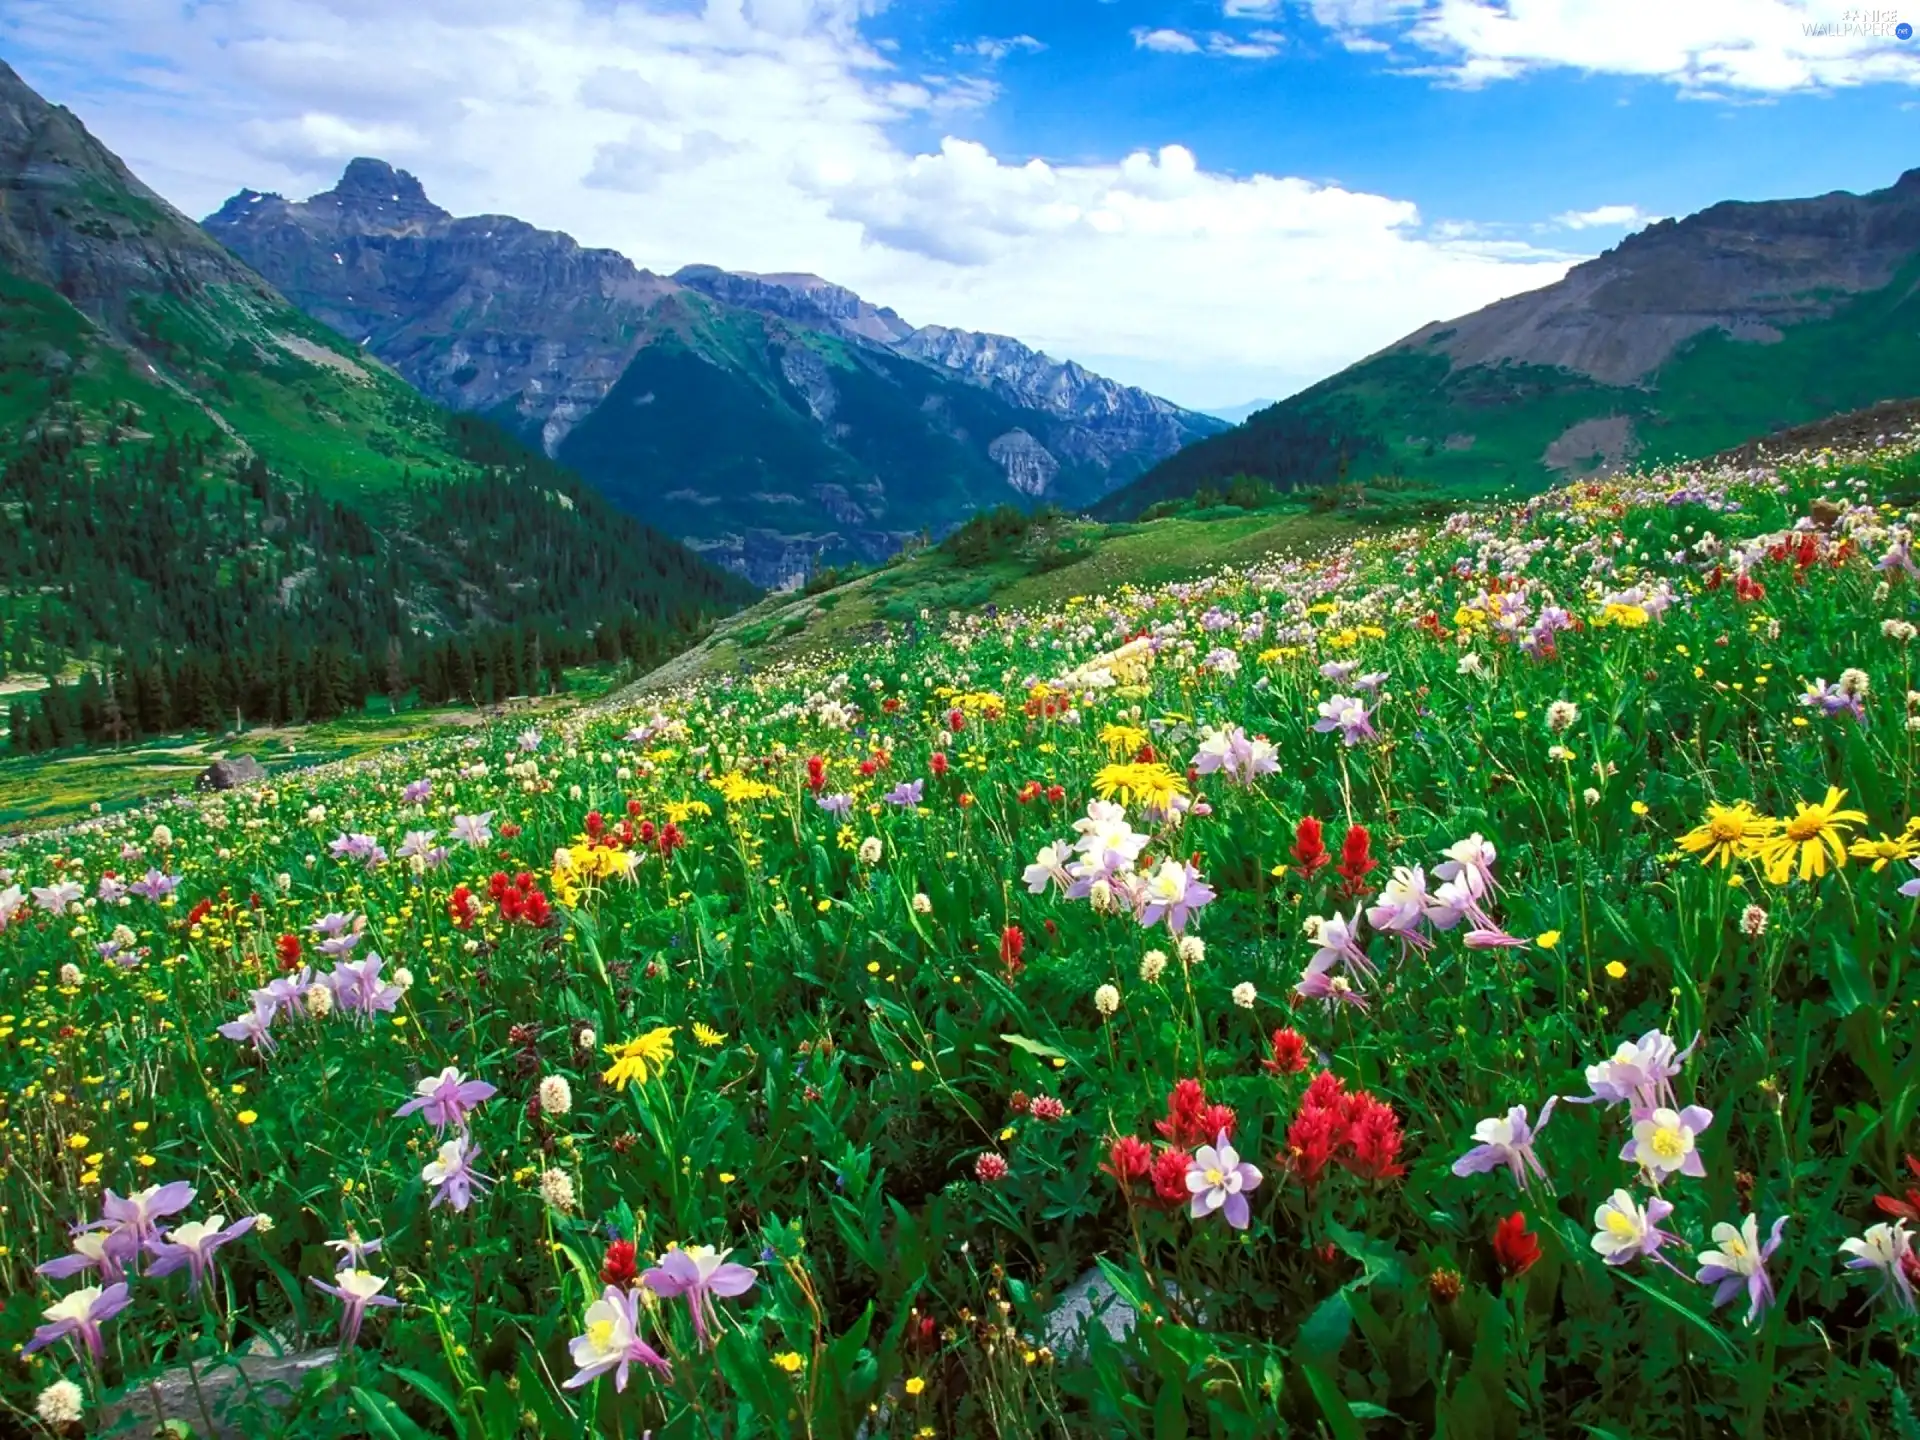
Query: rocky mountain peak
[379,197]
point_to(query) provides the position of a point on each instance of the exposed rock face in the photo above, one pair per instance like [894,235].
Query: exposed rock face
[1030,468]
[806,299]
[74,218]
[1106,422]
[1748,268]
[479,313]
[233,771]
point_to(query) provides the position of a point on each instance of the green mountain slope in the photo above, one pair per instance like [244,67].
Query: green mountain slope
[1687,338]
[222,507]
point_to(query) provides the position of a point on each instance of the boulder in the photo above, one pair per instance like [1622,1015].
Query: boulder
[235,770]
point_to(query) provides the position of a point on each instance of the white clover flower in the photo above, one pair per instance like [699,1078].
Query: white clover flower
[556,1095]
[61,1403]
[1590,795]
[556,1188]
[319,1001]
[1753,921]
[922,903]
[1106,999]
[1192,950]
[1152,965]
[161,837]
[1244,995]
[870,850]
[403,977]
[587,1040]
[70,974]
[1561,714]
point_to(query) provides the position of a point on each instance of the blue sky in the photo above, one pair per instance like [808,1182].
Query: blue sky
[1219,199]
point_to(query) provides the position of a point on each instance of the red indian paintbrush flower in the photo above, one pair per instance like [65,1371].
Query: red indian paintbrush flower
[1128,1159]
[1012,944]
[1356,860]
[621,1266]
[1309,849]
[1289,1053]
[1907,1209]
[1514,1248]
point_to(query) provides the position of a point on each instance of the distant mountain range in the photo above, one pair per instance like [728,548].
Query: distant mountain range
[778,422]
[200,480]
[1686,338]
[1234,414]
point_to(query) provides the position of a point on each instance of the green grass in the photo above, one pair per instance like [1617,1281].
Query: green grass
[41,790]
[1107,557]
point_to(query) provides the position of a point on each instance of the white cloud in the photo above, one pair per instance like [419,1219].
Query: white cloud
[998,47]
[1702,46]
[1605,217]
[762,135]
[1169,42]
[1257,45]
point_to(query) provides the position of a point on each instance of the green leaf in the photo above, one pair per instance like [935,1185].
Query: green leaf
[433,1390]
[1033,1047]
[1333,1405]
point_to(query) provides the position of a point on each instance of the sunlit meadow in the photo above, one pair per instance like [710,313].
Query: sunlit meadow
[1460,984]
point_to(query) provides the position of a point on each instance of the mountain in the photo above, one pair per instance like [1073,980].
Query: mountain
[198,475]
[1234,414]
[777,422]
[1687,337]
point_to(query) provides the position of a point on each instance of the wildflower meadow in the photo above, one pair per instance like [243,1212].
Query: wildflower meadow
[1460,984]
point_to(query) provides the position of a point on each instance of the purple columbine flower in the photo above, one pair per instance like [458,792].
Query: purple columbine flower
[907,792]
[1911,889]
[416,792]
[355,1290]
[839,806]
[1236,755]
[353,1251]
[1833,700]
[1049,868]
[612,1341]
[54,899]
[1349,716]
[93,1249]
[473,830]
[1639,1074]
[335,923]
[110,890]
[1471,860]
[1740,1263]
[1370,683]
[1664,1142]
[1889,1250]
[357,986]
[529,741]
[1339,944]
[81,1314]
[1403,908]
[253,1027]
[1218,1179]
[419,847]
[446,1099]
[135,1219]
[1338,671]
[452,1176]
[286,993]
[364,848]
[697,1274]
[1173,892]
[1507,1140]
[1320,983]
[193,1244]
[1624,1230]
[155,885]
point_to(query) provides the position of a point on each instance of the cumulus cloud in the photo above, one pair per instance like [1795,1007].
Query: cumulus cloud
[1707,48]
[1168,42]
[1605,217]
[998,47]
[765,135]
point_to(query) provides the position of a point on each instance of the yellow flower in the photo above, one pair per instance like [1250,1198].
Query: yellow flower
[1547,939]
[737,788]
[1731,832]
[1639,807]
[1122,739]
[915,1385]
[641,1058]
[77,1142]
[1810,837]
[1152,785]
[789,1362]
[1886,848]
[727,1177]
[707,1035]
[1616,971]
[247,1117]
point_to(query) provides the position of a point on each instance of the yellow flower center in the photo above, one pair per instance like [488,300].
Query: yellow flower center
[1668,1145]
[1214,1177]
[1806,826]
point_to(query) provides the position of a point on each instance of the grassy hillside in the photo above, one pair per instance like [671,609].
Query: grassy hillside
[1412,413]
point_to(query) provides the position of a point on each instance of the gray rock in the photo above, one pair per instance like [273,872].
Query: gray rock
[230,1392]
[230,772]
